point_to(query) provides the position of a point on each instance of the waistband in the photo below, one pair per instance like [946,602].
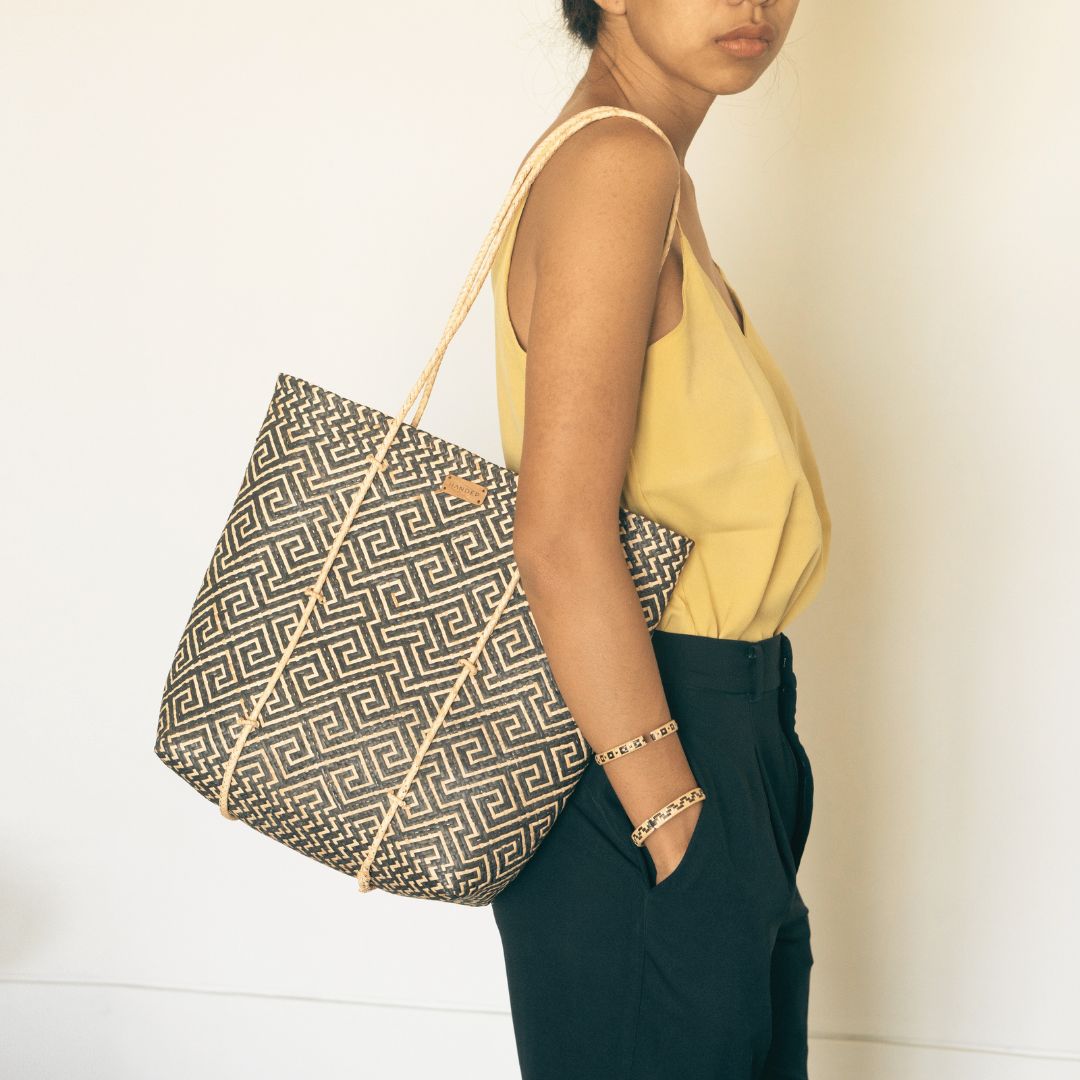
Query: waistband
[725,664]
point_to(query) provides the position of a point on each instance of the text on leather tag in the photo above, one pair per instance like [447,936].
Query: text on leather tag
[465,489]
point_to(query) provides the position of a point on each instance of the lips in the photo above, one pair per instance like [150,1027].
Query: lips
[750,30]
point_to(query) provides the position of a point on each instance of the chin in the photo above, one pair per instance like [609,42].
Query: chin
[733,82]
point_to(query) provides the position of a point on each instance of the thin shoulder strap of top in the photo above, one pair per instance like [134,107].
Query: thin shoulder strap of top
[481,266]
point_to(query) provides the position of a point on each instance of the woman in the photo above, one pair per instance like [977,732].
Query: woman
[682,952]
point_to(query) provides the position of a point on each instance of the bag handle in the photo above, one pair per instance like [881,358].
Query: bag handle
[250,721]
[482,264]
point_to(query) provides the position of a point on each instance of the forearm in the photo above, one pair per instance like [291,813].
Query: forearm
[589,617]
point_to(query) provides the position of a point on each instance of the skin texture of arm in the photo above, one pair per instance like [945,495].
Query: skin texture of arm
[599,213]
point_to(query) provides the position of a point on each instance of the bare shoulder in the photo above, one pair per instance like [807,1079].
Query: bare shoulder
[603,199]
[610,159]
[622,141]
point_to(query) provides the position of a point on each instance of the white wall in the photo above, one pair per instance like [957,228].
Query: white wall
[196,196]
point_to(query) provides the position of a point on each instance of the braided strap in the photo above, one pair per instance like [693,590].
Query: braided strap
[666,813]
[636,744]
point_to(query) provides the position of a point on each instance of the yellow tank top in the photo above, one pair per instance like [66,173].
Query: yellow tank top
[720,455]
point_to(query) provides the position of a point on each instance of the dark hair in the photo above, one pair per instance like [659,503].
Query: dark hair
[582,18]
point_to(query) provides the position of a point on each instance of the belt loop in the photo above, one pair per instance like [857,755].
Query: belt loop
[756,660]
[788,682]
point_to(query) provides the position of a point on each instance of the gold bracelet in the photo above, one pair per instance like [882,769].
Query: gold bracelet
[638,743]
[665,813]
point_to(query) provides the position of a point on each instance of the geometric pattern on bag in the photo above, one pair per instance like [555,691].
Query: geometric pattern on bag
[398,721]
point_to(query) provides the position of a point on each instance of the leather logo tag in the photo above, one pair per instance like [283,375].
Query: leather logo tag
[464,489]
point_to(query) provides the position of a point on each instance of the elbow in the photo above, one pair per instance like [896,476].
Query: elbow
[538,561]
[534,550]
[557,550]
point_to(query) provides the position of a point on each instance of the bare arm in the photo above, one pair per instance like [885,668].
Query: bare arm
[603,208]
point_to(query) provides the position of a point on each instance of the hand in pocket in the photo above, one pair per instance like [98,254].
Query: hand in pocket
[668,852]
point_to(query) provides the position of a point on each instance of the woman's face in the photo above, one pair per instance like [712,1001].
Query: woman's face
[683,37]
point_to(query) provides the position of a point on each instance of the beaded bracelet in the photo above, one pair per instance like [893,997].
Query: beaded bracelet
[638,743]
[665,813]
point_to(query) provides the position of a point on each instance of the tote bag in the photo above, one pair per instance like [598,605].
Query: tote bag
[360,677]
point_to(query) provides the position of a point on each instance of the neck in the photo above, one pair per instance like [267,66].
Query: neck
[620,73]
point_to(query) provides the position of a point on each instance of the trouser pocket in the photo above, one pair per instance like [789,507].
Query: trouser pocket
[804,796]
[615,822]
[618,827]
[691,855]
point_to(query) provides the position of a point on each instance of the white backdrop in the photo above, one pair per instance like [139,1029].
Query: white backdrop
[197,196]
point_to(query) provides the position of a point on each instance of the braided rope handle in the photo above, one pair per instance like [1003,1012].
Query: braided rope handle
[485,257]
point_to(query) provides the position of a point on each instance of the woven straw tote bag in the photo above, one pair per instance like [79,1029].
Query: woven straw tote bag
[360,677]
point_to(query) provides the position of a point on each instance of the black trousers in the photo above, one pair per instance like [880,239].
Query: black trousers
[704,976]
